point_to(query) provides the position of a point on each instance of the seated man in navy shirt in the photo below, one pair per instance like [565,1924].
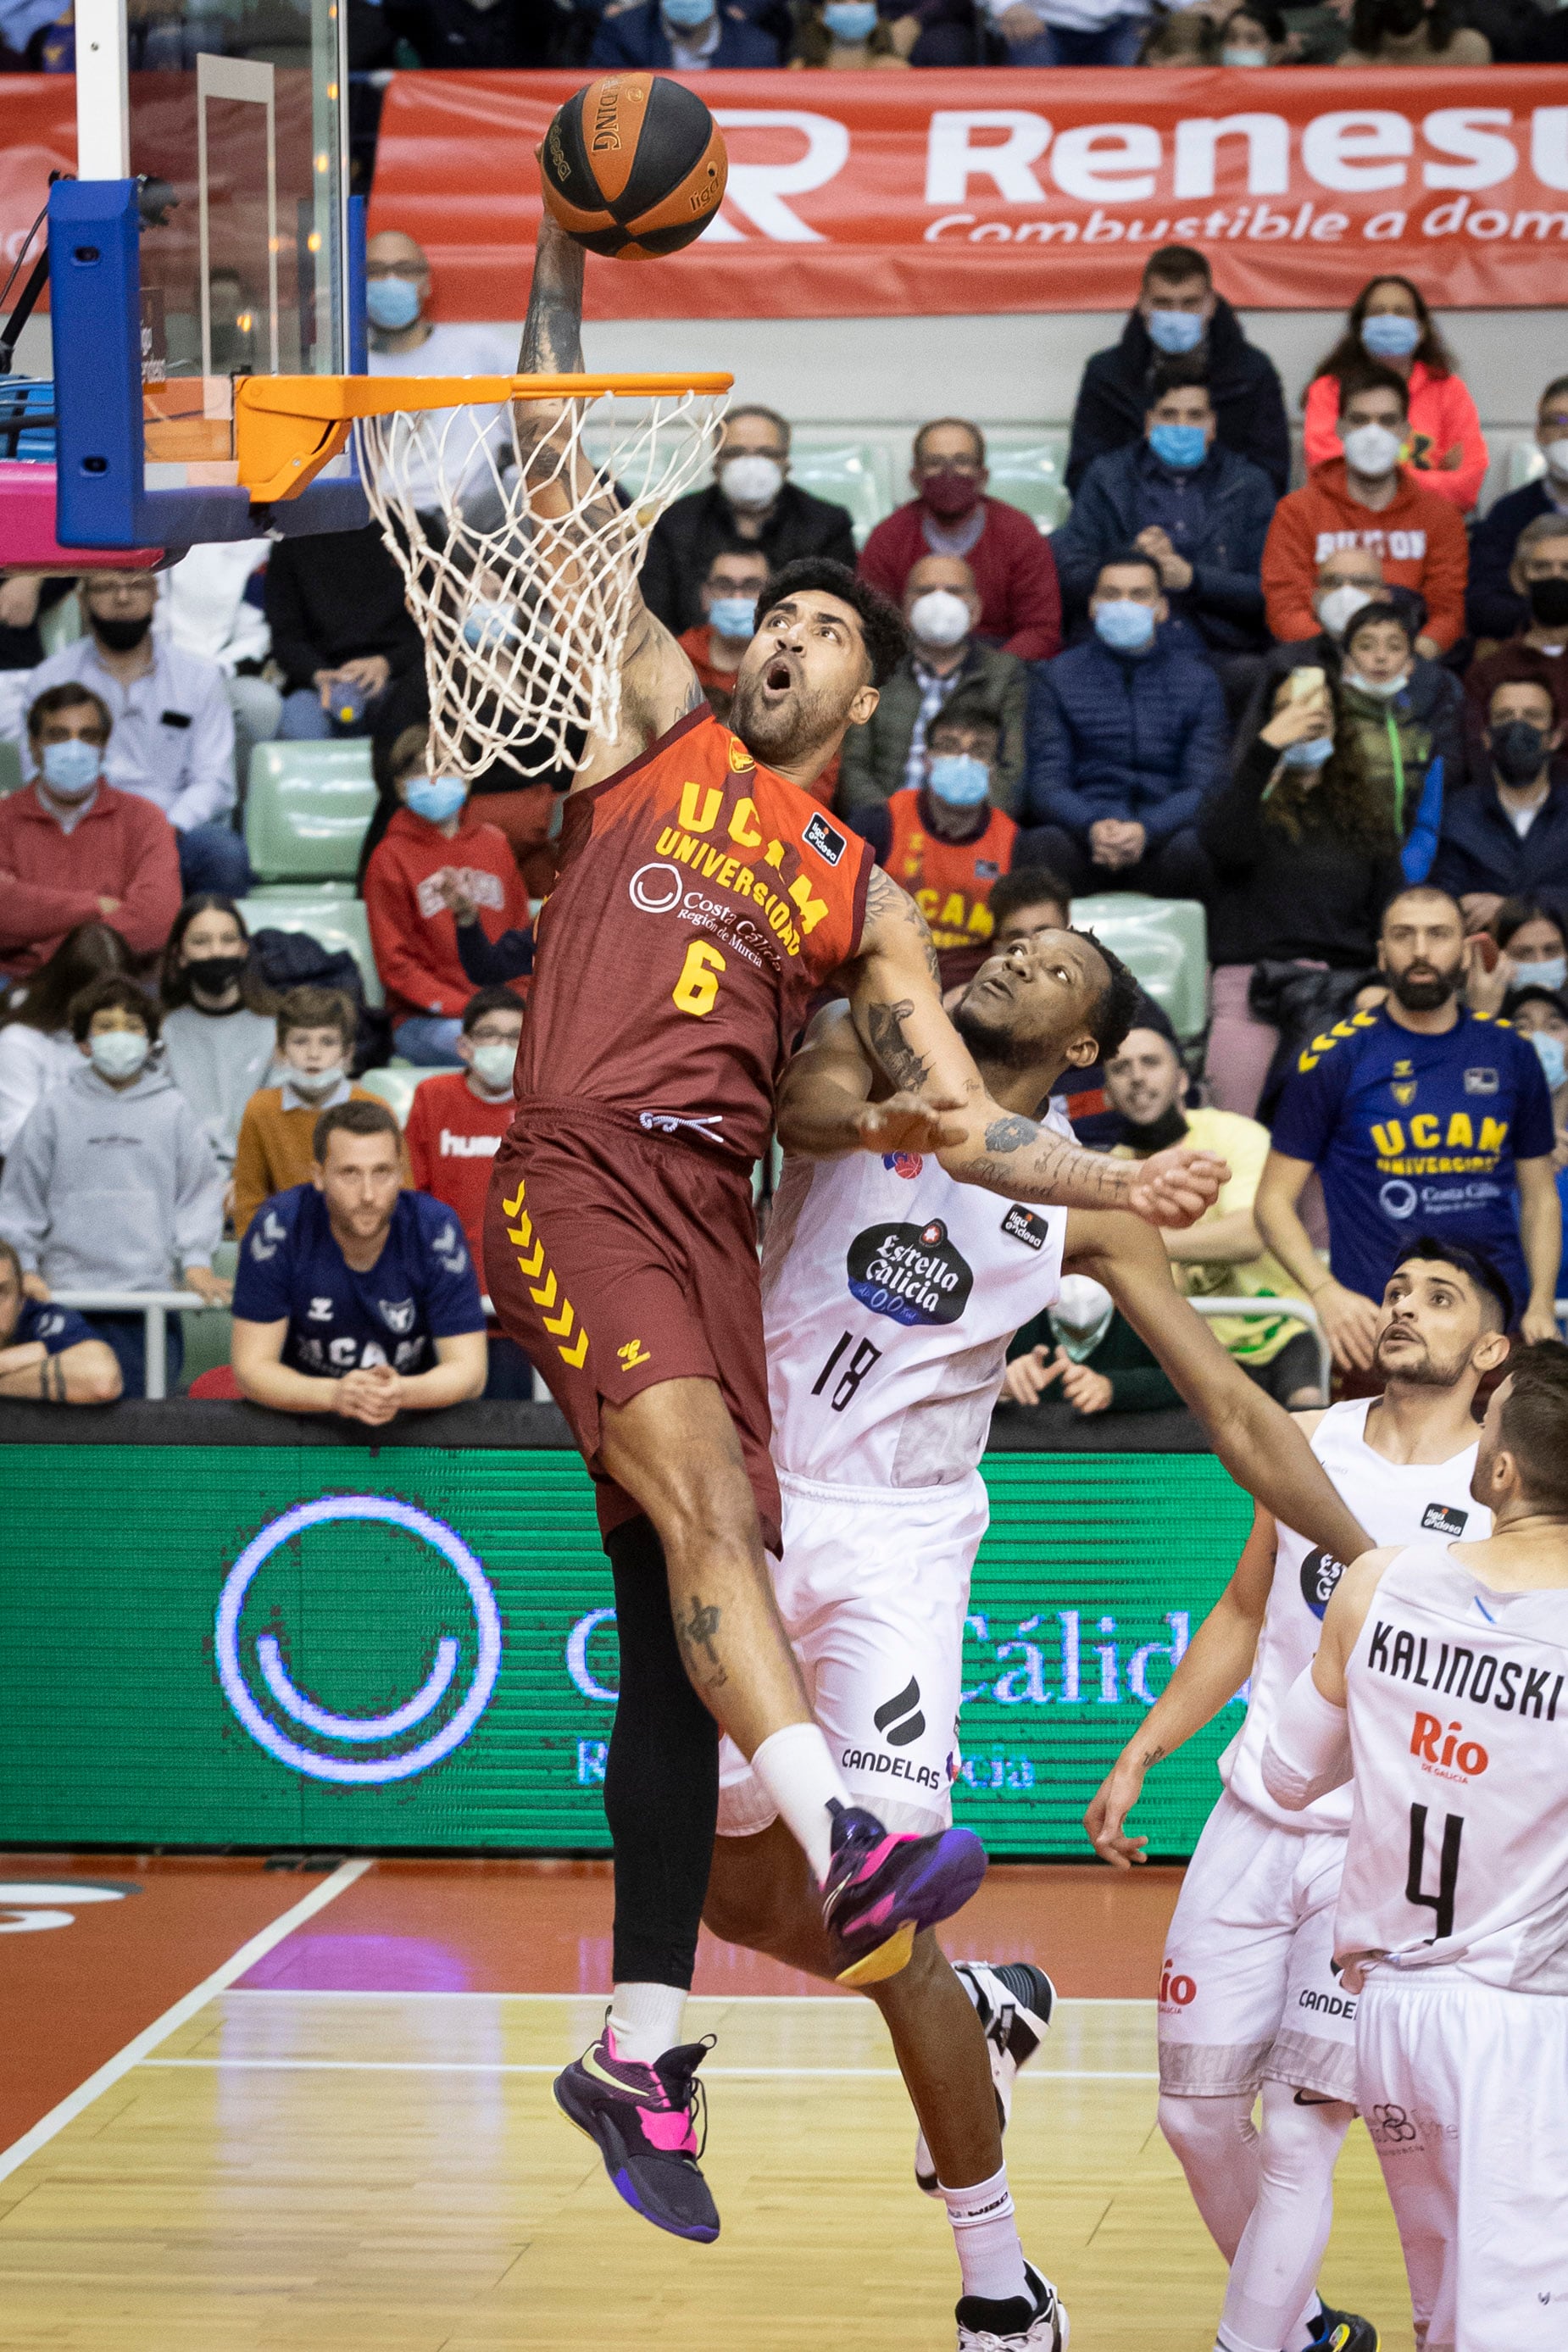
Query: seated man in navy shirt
[47,1352]
[353,1295]
[1421,1118]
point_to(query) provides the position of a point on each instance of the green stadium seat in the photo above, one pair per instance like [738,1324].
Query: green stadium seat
[1028,472]
[1525,464]
[854,470]
[329,917]
[307,810]
[397,1083]
[1163,942]
[10,766]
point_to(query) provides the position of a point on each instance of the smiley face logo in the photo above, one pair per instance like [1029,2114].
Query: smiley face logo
[252,1667]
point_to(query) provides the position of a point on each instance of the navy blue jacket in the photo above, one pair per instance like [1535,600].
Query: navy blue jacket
[1243,382]
[1218,514]
[750,33]
[1478,849]
[1492,607]
[1141,737]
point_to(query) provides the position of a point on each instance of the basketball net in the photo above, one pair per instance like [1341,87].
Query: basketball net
[520,533]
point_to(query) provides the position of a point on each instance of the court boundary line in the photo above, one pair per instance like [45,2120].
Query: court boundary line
[189,2005]
[241,2064]
[732,1999]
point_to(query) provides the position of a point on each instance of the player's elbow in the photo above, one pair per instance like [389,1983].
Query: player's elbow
[94,1378]
[1283,1781]
[468,1364]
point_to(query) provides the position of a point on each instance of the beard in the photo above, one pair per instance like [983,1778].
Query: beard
[1425,995]
[1000,1044]
[1425,1371]
[786,730]
[1147,1136]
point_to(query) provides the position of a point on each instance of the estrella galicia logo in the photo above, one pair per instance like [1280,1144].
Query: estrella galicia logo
[1320,1572]
[912,1273]
[457,1616]
[896,1732]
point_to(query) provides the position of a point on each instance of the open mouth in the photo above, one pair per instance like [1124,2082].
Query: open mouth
[779,675]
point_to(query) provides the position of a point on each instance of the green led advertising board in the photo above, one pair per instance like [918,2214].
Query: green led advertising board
[291,1646]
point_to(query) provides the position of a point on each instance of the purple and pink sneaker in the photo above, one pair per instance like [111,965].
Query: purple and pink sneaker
[642,2119]
[883,1888]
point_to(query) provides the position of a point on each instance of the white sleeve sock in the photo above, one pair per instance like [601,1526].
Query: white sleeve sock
[795,1767]
[1308,1752]
[646,2020]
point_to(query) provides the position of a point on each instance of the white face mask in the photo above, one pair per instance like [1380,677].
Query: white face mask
[1081,1315]
[1386,688]
[1337,607]
[1372,449]
[751,481]
[939,617]
[1556,456]
[316,1082]
[119,1053]
[493,1066]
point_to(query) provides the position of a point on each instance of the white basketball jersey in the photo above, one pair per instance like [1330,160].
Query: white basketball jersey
[1458,1720]
[889,1293]
[1395,1504]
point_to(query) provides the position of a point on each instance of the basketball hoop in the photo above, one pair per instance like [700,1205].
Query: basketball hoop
[519,533]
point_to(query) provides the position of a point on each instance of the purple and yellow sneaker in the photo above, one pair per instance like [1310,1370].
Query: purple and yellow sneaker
[642,2120]
[883,1888]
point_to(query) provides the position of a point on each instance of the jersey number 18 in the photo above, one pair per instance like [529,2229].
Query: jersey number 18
[850,1378]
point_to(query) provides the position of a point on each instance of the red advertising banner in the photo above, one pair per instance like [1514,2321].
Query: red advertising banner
[925,192]
[37,136]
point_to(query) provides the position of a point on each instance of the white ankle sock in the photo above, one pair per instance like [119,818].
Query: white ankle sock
[646,2020]
[796,1769]
[985,2236]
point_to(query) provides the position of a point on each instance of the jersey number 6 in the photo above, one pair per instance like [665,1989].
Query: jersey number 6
[697,989]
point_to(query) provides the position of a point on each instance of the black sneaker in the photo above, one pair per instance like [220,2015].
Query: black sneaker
[642,2120]
[1036,2323]
[1344,2331]
[884,1886]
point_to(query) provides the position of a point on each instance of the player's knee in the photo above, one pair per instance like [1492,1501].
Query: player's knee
[1301,2138]
[1205,2130]
[915,1983]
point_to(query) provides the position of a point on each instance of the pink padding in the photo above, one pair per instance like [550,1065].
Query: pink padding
[673,2133]
[27,541]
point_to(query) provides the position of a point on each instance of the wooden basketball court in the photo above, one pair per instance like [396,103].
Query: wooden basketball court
[275,2112]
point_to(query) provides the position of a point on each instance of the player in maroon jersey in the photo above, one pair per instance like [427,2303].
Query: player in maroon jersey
[704,898]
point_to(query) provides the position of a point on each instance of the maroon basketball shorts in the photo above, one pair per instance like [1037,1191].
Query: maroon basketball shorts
[618,1260]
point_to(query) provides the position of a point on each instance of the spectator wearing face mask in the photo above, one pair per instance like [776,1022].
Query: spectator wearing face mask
[1125,741]
[1413,33]
[412,932]
[1367,498]
[1201,512]
[945,659]
[1010,564]
[1179,315]
[1508,837]
[1533,944]
[1348,578]
[219,1018]
[945,841]
[1496,606]
[404,340]
[314,1036]
[750,503]
[850,37]
[1540,574]
[49,1352]
[1083,1343]
[1405,744]
[37,1051]
[74,849]
[173,730]
[1391,325]
[1540,1013]
[112,1184]
[1256,34]
[352,657]
[685,36]
[736,578]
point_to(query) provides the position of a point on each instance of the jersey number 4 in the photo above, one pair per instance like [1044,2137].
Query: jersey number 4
[1441,1903]
[850,1378]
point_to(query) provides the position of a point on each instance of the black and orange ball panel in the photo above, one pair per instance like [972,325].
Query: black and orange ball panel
[633,166]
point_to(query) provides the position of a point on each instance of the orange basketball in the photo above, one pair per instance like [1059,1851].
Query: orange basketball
[633,166]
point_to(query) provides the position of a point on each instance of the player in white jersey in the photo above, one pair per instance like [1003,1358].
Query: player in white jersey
[1443,1679]
[890,1291]
[1249,2000]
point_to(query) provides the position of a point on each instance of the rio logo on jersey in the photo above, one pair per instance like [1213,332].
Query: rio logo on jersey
[1446,1751]
[1176,1992]
[912,1273]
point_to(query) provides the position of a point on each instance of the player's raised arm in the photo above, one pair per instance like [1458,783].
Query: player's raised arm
[1257,1440]
[825,1107]
[568,501]
[895,994]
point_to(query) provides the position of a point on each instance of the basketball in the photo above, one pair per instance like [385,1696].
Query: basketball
[633,166]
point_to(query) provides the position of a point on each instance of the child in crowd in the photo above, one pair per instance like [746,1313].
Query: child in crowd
[219,1030]
[315,1032]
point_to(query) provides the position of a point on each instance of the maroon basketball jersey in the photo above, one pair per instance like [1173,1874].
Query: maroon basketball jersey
[702,902]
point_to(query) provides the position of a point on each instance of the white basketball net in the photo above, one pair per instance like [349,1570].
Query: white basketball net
[521,560]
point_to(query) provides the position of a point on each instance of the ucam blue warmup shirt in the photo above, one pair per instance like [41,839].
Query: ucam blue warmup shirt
[421,1289]
[1414,1134]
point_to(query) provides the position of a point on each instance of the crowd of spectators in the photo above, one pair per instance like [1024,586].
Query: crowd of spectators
[1332,714]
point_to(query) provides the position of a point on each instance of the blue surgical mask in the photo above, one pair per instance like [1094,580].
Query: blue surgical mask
[850,20]
[1312,753]
[71,769]
[1390,335]
[493,1066]
[485,624]
[1182,446]
[1550,1049]
[733,616]
[119,1053]
[392,303]
[685,14]
[1175,330]
[1229,56]
[1550,973]
[1124,626]
[436,798]
[958,779]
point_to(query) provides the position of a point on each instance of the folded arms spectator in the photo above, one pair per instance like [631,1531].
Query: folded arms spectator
[74,849]
[1495,606]
[315,1044]
[684,36]
[1010,566]
[48,1351]
[945,659]
[1068,32]
[751,502]
[1510,833]
[353,1295]
[1391,326]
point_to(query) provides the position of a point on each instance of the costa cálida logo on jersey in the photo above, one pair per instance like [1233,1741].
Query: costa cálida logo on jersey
[912,1273]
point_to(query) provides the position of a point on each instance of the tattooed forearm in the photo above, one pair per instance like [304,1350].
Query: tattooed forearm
[553,332]
[55,1380]
[1010,1134]
[885,1034]
[885,898]
[697,1634]
[1045,1167]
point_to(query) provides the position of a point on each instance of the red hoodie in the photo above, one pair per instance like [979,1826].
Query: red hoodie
[414,937]
[1419,537]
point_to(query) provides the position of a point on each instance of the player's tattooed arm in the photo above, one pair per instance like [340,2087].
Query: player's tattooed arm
[886,903]
[552,332]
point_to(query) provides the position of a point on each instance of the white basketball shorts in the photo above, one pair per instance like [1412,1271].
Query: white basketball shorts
[1462,2086]
[1247,1988]
[873,1588]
